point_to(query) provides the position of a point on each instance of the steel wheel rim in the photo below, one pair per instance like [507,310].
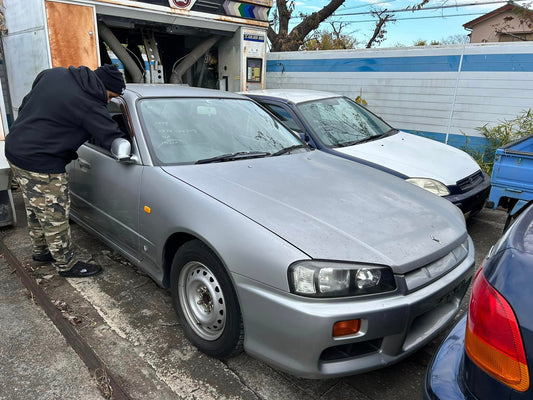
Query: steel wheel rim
[202,300]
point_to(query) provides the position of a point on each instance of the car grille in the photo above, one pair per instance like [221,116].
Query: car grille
[423,276]
[350,350]
[470,181]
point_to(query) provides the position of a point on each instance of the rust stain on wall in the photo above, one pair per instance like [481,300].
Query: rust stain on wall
[72,35]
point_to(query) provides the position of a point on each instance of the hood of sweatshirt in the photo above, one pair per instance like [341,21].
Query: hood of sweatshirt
[89,82]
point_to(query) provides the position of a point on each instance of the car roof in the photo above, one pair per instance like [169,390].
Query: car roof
[169,90]
[295,96]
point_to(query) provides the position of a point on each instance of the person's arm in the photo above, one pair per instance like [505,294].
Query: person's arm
[99,124]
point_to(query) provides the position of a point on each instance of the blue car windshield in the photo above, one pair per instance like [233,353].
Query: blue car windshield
[202,130]
[340,122]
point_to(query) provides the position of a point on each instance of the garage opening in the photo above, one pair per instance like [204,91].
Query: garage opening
[161,53]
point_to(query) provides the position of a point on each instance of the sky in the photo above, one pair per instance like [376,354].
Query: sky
[430,25]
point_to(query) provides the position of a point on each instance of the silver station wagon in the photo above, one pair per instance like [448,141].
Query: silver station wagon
[317,265]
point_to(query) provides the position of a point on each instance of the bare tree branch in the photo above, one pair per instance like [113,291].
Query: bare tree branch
[292,41]
[379,31]
[283,40]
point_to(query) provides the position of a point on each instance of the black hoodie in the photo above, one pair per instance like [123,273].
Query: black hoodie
[64,108]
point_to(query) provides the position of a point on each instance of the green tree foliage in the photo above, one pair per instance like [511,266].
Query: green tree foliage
[421,42]
[330,40]
[497,136]
[454,39]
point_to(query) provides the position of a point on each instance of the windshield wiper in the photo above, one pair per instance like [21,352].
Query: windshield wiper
[368,139]
[289,149]
[234,156]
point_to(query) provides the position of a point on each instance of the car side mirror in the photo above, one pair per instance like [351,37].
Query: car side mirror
[305,138]
[121,149]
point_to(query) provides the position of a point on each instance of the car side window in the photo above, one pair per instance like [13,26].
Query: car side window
[115,110]
[284,115]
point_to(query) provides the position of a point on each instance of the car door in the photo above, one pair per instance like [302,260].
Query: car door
[105,192]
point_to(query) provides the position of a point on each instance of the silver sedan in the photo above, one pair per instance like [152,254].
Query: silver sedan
[314,264]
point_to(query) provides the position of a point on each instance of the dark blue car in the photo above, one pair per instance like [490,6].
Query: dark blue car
[489,353]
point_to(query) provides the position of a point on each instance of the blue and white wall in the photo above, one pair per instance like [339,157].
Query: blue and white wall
[443,92]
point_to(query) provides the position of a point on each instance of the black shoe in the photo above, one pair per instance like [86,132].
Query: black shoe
[81,270]
[46,257]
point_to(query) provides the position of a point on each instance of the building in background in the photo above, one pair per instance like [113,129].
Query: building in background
[510,23]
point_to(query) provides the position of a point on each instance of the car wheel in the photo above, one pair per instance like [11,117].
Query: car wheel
[205,301]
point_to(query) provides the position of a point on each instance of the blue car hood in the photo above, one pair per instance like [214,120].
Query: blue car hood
[335,209]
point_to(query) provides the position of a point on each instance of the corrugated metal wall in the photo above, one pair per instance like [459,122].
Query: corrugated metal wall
[25,47]
[3,81]
[435,91]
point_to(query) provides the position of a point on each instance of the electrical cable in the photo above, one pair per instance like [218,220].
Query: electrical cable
[427,8]
[422,9]
[410,18]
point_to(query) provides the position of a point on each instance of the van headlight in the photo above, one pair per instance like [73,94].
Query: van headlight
[430,185]
[334,279]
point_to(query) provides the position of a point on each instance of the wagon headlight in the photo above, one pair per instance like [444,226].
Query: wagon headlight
[333,279]
[430,185]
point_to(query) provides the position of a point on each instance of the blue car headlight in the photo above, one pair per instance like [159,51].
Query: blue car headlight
[335,279]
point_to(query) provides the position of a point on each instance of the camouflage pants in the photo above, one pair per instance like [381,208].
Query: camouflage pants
[47,202]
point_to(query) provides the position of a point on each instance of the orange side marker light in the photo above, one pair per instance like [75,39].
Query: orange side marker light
[343,328]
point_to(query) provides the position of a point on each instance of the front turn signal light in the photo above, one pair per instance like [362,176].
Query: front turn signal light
[344,328]
[493,340]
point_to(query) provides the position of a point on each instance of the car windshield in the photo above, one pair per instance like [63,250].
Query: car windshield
[205,130]
[340,122]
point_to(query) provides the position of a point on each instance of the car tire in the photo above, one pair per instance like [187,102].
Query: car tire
[206,302]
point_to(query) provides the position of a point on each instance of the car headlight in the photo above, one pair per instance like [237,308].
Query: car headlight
[334,279]
[431,185]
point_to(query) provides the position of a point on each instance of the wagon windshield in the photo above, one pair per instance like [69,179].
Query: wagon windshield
[340,122]
[203,130]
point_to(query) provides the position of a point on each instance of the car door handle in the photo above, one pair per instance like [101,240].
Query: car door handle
[84,164]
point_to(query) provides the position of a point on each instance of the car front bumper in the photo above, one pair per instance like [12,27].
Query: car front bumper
[294,334]
[473,200]
[443,374]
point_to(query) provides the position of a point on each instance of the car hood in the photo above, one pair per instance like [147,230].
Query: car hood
[416,157]
[332,208]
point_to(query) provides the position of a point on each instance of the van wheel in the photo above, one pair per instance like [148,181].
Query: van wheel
[205,301]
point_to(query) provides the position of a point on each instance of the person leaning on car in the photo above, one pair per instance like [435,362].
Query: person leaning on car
[64,108]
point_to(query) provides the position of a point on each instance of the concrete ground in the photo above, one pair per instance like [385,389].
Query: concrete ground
[35,359]
[130,324]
